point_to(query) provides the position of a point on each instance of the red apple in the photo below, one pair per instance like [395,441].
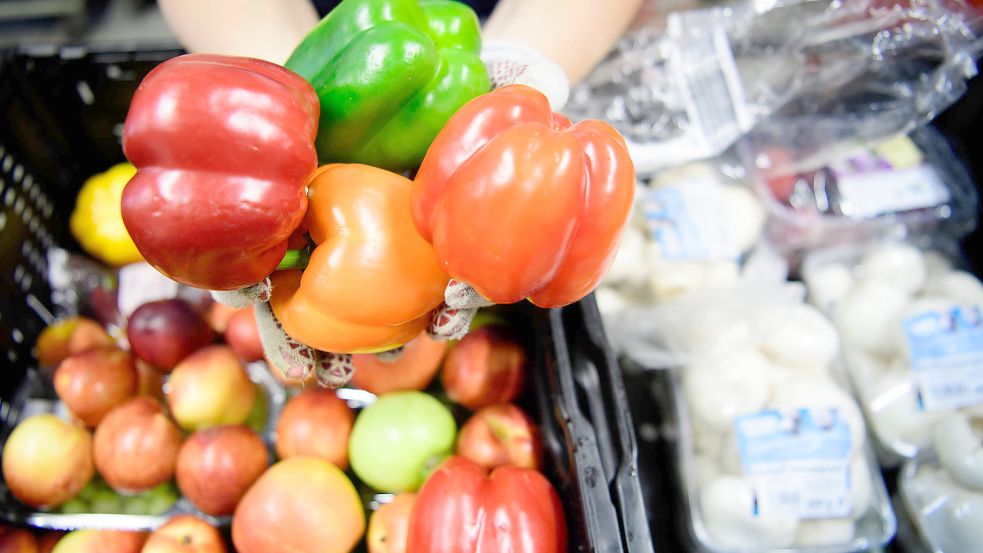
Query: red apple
[217,465]
[301,505]
[93,382]
[17,540]
[242,335]
[500,435]
[210,388]
[101,541]
[487,366]
[136,445]
[315,423]
[68,337]
[150,380]
[217,316]
[414,369]
[164,332]
[46,461]
[389,525]
[48,541]
[185,534]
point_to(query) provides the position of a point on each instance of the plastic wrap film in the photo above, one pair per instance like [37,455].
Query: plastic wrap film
[810,76]
[695,227]
[913,183]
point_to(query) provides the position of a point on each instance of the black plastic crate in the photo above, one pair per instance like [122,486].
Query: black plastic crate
[63,110]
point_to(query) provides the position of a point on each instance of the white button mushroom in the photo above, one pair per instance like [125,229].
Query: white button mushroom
[829,284]
[705,469]
[718,391]
[825,531]
[744,216]
[802,338]
[936,264]
[861,487]
[899,263]
[963,515]
[727,505]
[868,317]
[630,264]
[706,441]
[670,278]
[958,440]
[896,418]
[959,286]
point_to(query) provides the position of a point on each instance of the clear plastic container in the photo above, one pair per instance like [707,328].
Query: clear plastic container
[771,450]
[915,182]
[724,528]
[946,515]
[909,320]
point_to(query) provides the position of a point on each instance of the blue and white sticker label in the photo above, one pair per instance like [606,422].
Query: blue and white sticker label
[688,221]
[946,357]
[798,461]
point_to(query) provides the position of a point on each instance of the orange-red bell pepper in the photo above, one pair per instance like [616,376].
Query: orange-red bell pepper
[372,280]
[519,203]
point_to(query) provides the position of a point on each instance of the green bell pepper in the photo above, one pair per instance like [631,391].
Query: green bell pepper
[389,74]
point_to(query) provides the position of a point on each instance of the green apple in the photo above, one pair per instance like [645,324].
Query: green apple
[398,440]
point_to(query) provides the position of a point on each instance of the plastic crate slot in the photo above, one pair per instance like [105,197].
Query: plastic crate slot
[552,423]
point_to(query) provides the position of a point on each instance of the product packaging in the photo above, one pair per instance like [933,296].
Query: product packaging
[910,320]
[805,76]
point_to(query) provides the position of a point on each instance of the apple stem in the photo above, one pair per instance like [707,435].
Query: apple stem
[294,259]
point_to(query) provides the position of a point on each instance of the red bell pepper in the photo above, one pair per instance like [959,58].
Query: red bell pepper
[462,509]
[519,203]
[223,148]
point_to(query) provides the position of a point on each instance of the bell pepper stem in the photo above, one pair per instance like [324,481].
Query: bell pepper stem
[294,259]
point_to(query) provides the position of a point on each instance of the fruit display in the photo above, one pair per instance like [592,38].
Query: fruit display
[199,443]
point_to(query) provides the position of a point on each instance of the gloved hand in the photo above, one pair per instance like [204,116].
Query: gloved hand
[514,63]
[297,362]
[362,281]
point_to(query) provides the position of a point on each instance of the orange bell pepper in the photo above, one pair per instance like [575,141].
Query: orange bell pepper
[372,280]
[519,203]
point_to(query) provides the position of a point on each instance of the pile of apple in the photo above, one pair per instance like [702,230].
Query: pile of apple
[169,402]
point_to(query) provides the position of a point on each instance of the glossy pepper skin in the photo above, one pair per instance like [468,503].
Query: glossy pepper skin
[463,508]
[223,148]
[389,73]
[97,222]
[371,281]
[519,203]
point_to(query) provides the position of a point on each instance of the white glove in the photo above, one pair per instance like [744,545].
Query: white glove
[295,361]
[514,63]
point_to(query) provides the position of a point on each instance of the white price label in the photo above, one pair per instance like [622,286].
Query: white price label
[882,189]
[688,221]
[797,461]
[946,357]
